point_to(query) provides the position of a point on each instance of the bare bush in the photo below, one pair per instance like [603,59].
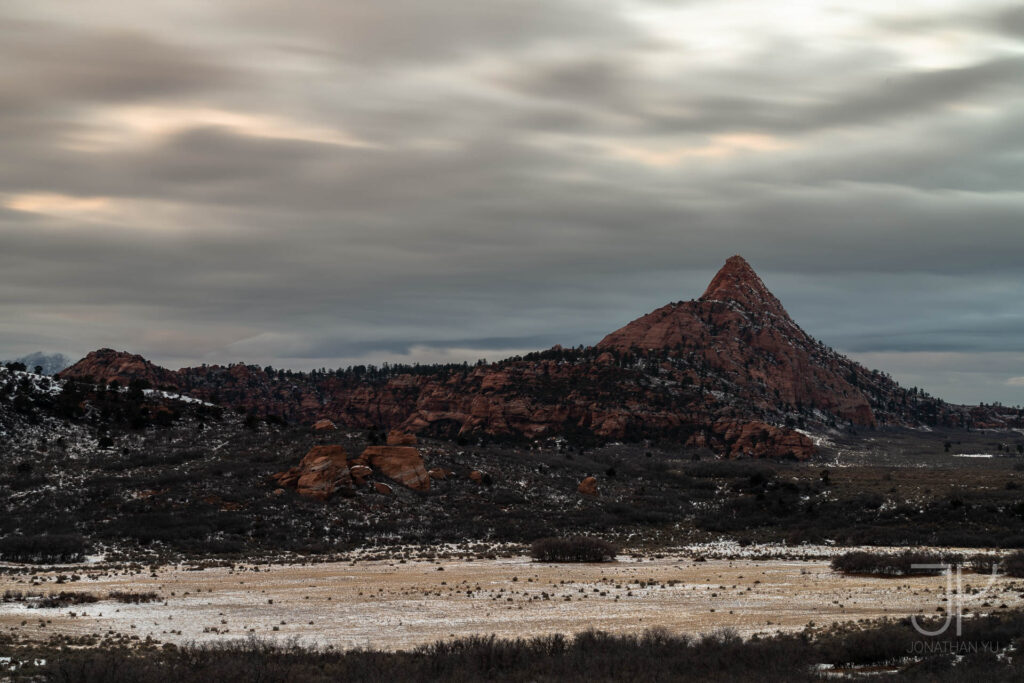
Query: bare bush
[573,549]
[1013,564]
[66,598]
[134,598]
[894,564]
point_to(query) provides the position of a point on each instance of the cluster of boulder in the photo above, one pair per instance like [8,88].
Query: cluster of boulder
[326,470]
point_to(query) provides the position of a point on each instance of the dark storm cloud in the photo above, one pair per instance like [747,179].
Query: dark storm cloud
[319,183]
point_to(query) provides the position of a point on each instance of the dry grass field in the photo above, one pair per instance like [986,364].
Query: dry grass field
[393,604]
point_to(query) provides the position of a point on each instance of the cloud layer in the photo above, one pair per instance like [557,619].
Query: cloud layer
[323,182]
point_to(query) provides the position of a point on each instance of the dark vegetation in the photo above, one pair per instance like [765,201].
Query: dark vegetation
[86,471]
[902,564]
[67,598]
[133,598]
[1014,565]
[895,564]
[881,647]
[51,600]
[42,548]
[573,549]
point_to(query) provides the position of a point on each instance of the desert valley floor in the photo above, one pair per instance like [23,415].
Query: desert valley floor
[396,604]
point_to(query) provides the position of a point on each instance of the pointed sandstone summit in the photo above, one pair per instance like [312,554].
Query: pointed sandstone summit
[696,322]
[741,331]
[738,283]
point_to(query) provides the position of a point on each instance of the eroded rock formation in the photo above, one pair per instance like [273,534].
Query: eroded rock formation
[320,474]
[400,463]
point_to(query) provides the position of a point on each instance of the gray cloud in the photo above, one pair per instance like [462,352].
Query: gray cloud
[331,182]
[47,64]
[1010,21]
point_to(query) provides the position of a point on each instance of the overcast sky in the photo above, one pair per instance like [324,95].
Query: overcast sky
[313,183]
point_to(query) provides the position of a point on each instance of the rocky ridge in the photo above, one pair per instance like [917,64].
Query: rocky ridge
[730,371]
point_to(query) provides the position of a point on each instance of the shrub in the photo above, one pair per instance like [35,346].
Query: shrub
[43,548]
[1013,564]
[65,598]
[133,598]
[892,564]
[19,596]
[573,549]
[587,657]
[982,563]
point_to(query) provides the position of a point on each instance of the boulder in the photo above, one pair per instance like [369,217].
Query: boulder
[439,473]
[397,438]
[477,476]
[588,486]
[321,472]
[360,473]
[324,426]
[401,463]
[383,489]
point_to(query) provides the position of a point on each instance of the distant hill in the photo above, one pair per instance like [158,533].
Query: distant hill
[730,371]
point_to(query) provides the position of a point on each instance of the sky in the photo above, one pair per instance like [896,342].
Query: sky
[318,183]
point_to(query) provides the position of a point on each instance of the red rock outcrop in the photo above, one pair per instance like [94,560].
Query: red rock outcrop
[320,474]
[588,486]
[321,426]
[762,440]
[107,365]
[401,463]
[397,438]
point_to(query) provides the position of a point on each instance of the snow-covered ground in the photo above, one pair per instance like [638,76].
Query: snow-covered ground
[174,397]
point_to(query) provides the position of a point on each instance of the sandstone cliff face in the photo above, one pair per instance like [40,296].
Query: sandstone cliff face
[681,373]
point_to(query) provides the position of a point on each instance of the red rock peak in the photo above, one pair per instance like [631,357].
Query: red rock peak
[738,282]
